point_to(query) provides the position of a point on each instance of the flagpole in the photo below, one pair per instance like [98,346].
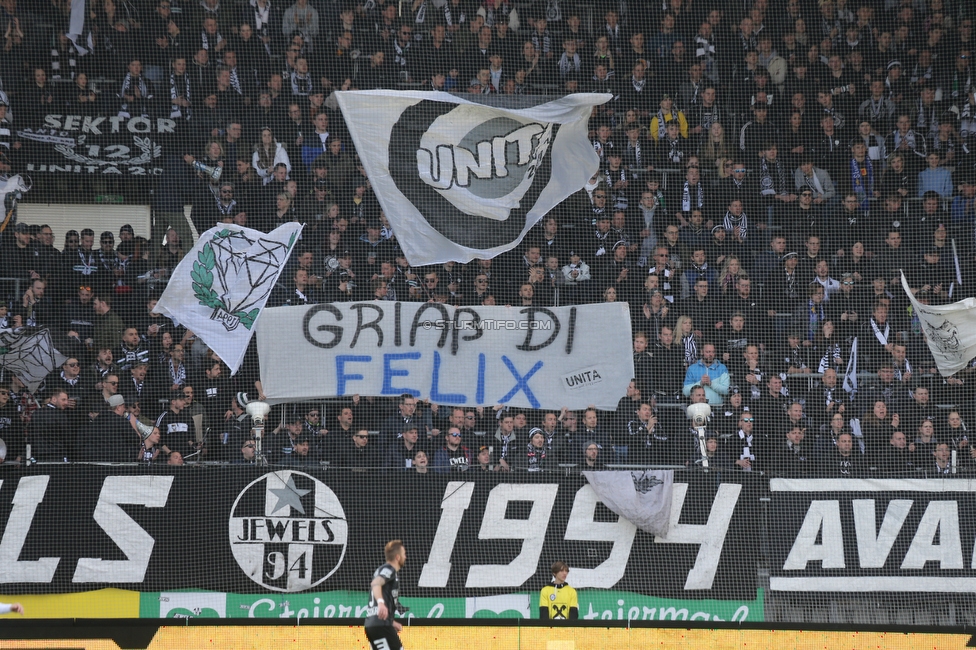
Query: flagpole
[955,262]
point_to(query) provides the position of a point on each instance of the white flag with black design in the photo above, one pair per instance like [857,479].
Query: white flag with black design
[950,331]
[641,497]
[220,288]
[461,180]
[29,354]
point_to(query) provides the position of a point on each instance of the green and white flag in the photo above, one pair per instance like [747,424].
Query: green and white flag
[219,289]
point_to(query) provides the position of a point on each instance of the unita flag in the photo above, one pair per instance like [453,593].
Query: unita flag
[460,179]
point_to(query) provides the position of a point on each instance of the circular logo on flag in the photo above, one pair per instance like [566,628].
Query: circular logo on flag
[478,178]
[288,531]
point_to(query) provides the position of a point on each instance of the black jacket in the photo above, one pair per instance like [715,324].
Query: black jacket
[354,457]
[109,439]
[835,465]
[399,457]
[49,435]
[531,459]
[789,460]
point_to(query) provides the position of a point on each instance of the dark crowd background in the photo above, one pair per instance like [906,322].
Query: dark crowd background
[767,171]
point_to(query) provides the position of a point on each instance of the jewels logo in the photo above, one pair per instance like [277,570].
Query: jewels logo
[479,178]
[288,531]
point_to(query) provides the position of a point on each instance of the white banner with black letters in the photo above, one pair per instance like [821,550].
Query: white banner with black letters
[530,357]
[96,144]
[460,180]
[873,535]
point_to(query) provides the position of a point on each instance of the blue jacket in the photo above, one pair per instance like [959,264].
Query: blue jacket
[959,209]
[938,180]
[717,373]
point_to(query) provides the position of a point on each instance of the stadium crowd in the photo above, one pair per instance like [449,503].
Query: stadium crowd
[767,170]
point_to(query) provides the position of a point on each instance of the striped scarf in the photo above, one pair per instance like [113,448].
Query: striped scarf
[862,181]
[454,15]
[177,373]
[235,82]
[128,84]
[816,317]
[301,84]
[687,203]
[179,86]
[731,222]
[690,345]
[205,40]
[662,121]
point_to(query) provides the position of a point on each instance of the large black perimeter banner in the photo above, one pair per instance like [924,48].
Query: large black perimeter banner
[873,535]
[249,530]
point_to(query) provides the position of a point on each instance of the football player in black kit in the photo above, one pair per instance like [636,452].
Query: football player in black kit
[381,629]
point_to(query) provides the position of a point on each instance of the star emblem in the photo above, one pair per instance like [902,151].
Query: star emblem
[289,495]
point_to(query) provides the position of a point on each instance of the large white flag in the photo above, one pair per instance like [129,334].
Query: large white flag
[641,497]
[950,331]
[219,289]
[461,180]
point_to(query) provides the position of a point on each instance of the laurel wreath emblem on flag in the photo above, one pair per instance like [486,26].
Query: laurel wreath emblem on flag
[220,255]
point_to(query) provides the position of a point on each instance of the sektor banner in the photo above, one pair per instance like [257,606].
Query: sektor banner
[96,144]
